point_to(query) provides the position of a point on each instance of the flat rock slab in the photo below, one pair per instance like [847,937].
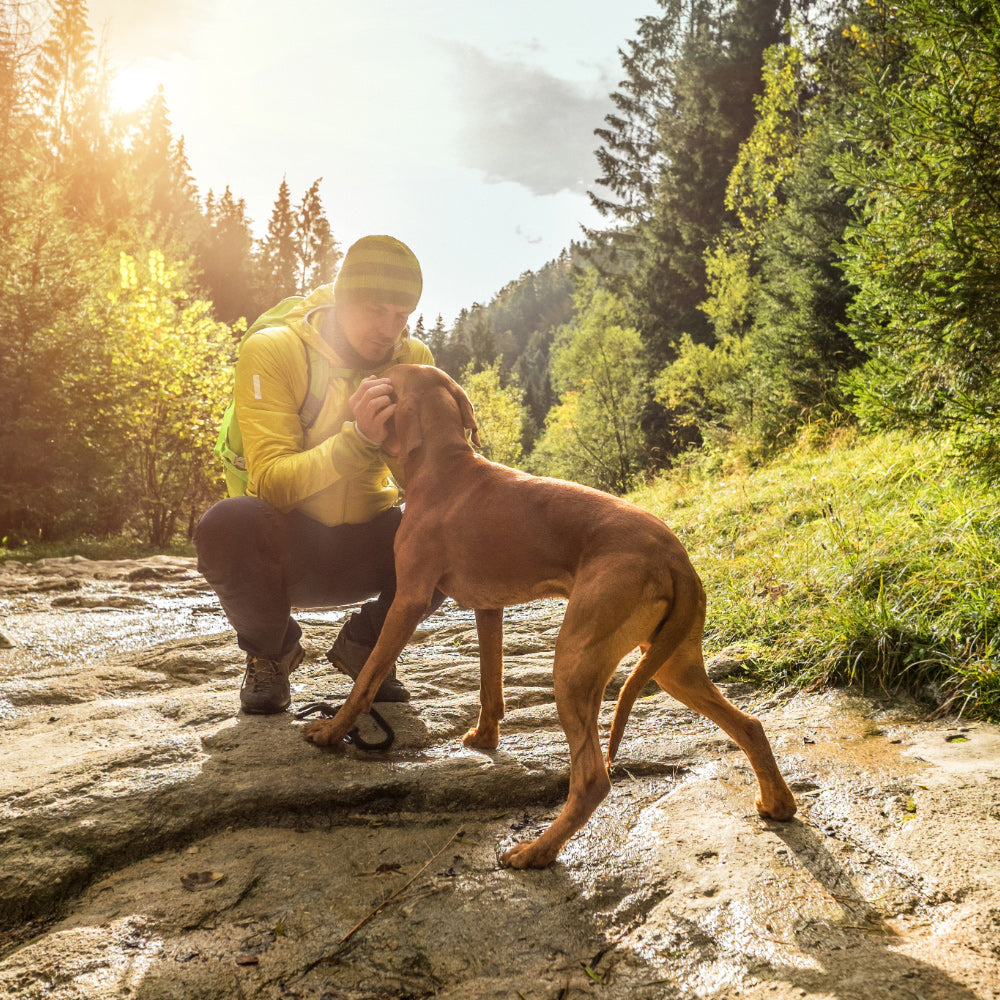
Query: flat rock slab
[158,844]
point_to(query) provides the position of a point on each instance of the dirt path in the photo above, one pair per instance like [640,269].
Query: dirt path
[127,769]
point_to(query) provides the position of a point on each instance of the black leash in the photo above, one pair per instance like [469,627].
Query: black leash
[354,738]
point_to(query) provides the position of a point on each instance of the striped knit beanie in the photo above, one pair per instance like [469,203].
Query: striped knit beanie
[380,269]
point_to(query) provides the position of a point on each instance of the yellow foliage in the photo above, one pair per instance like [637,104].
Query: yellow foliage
[168,375]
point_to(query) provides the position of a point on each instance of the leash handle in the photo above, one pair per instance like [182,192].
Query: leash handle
[353,738]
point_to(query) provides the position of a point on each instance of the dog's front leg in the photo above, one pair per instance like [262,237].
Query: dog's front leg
[400,624]
[329,732]
[489,627]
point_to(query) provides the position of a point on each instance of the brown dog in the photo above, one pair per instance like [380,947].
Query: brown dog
[489,536]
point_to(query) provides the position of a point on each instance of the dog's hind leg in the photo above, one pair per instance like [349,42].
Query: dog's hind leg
[588,783]
[675,660]
[584,662]
[683,677]
[489,627]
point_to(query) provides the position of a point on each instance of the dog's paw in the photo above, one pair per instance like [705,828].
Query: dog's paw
[527,854]
[781,810]
[324,732]
[480,739]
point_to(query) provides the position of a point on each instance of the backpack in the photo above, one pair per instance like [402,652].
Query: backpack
[229,446]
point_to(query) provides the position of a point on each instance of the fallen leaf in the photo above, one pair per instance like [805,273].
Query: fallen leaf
[196,881]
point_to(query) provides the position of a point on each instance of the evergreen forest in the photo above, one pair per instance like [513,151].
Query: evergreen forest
[799,200]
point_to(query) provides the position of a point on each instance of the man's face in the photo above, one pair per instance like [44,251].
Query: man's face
[372,328]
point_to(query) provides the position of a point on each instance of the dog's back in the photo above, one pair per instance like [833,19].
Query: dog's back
[510,537]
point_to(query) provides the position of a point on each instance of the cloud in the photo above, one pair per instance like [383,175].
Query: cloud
[531,240]
[522,124]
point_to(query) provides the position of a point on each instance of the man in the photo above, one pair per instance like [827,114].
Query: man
[316,527]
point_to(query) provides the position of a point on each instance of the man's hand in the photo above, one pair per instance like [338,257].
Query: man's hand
[372,405]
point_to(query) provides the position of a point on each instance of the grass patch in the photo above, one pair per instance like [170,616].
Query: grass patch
[873,563]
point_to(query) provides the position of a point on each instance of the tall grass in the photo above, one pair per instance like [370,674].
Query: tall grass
[874,562]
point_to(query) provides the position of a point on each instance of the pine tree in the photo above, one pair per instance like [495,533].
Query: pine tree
[278,260]
[452,352]
[17,122]
[531,370]
[73,144]
[481,339]
[778,297]
[224,258]
[922,148]
[64,78]
[799,346]
[318,253]
[151,151]
[437,339]
[716,76]
[185,209]
[630,158]
[165,195]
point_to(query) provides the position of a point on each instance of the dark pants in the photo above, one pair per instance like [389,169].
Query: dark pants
[262,563]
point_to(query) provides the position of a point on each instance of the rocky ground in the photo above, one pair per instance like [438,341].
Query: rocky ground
[158,844]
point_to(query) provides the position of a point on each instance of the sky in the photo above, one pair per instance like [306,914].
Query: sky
[463,128]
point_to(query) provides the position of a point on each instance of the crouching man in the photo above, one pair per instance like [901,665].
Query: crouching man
[316,525]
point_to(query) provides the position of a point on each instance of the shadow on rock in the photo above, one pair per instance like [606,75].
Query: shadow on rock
[858,952]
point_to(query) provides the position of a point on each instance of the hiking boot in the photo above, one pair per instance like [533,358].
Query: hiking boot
[349,657]
[265,689]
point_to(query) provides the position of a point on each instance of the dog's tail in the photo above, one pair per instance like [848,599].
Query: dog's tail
[670,633]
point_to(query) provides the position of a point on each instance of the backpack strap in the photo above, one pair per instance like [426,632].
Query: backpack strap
[320,372]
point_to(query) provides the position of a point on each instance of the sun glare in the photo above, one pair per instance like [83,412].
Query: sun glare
[132,87]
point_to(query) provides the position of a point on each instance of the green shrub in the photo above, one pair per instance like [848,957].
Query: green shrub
[873,562]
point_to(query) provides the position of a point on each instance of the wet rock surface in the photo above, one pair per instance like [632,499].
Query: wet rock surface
[158,844]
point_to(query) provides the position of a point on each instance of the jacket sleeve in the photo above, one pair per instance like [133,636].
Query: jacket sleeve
[269,391]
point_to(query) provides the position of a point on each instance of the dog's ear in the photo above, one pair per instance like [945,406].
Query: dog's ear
[468,413]
[406,433]
[391,443]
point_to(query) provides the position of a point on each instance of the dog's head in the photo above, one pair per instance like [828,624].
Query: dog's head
[422,395]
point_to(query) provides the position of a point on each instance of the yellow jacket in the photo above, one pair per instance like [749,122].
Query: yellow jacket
[328,472]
